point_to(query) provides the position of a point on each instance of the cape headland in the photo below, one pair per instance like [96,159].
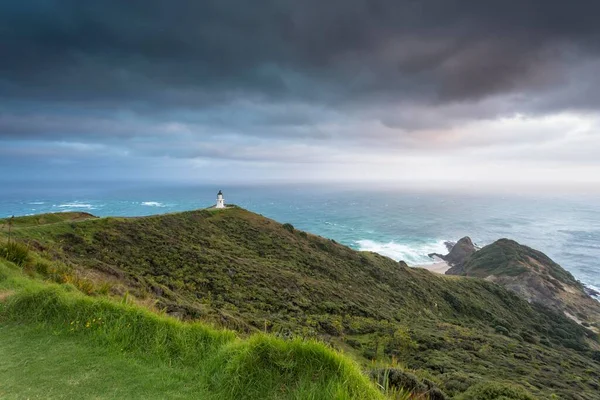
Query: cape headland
[529,273]
[246,306]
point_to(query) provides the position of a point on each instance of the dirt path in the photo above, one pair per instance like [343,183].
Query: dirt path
[4,295]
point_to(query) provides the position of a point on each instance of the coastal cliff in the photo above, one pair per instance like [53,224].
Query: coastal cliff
[238,270]
[533,276]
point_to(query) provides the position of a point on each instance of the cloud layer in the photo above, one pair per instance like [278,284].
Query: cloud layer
[325,84]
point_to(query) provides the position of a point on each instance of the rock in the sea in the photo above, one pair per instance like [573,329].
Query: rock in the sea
[591,292]
[460,251]
[436,255]
[458,254]
[449,245]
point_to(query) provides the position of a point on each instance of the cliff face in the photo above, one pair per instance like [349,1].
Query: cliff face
[458,254]
[533,276]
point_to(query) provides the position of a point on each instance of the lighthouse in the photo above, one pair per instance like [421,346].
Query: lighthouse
[220,200]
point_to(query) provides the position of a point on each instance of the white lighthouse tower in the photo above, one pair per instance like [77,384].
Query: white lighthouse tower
[220,200]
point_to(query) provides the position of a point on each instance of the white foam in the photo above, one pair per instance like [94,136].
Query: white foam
[37,202]
[413,253]
[76,205]
[595,288]
[153,204]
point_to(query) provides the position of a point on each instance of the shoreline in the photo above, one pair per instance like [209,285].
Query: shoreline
[439,267]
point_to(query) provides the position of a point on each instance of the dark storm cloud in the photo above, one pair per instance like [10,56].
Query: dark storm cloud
[223,78]
[197,52]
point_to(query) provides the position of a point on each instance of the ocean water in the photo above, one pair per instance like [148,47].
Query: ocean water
[402,224]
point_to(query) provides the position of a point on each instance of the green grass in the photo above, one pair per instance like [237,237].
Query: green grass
[38,364]
[15,252]
[507,257]
[239,270]
[58,343]
[534,276]
[43,219]
[496,391]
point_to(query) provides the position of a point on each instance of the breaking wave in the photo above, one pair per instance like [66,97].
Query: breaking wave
[76,205]
[412,253]
[152,204]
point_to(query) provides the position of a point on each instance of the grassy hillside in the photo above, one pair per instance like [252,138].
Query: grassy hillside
[242,271]
[43,219]
[58,343]
[507,257]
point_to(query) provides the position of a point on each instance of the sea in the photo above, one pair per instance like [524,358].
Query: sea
[401,223]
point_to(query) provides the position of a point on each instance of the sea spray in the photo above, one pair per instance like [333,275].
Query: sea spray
[414,253]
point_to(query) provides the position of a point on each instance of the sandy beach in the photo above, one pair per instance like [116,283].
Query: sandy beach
[439,267]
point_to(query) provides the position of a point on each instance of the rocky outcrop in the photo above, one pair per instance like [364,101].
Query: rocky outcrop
[458,254]
[534,276]
[592,292]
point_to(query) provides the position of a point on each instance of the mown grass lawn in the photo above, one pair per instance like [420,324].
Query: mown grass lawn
[36,364]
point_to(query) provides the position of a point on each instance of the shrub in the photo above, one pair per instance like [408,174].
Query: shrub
[495,391]
[529,337]
[15,252]
[517,337]
[332,326]
[501,330]
[574,344]
[354,343]
[288,227]
[400,343]
[42,268]
[561,333]
[453,301]
[395,379]
[457,382]
[369,354]
[62,274]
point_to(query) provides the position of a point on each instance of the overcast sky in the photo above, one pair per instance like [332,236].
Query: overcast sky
[312,90]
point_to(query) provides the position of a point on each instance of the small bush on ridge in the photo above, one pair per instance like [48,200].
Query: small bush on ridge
[495,391]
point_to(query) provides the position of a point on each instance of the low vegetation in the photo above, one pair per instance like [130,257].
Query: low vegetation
[534,276]
[279,287]
[507,257]
[495,391]
[196,360]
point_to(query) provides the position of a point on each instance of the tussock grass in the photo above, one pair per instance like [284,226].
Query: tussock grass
[125,326]
[496,391]
[15,252]
[260,367]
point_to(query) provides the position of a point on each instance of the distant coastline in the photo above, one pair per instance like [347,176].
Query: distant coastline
[405,225]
